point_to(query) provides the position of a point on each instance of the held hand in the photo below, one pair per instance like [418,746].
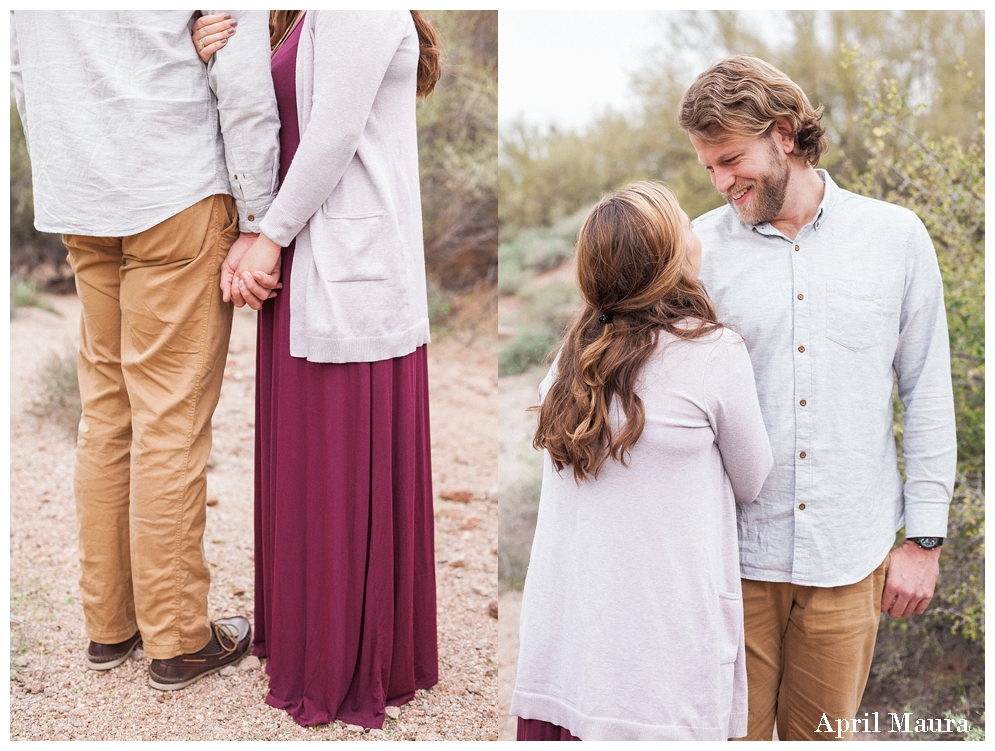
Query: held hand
[257,276]
[912,574]
[228,266]
[210,33]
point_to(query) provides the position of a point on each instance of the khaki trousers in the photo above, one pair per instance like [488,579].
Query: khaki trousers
[153,344]
[808,652]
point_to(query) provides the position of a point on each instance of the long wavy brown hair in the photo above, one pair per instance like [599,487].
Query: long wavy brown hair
[281,23]
[633,274]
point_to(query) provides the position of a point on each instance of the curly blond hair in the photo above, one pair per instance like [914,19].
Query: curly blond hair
[743,97]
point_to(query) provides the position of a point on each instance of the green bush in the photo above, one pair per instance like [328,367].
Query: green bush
[517,514]
[457,149]
[526,350]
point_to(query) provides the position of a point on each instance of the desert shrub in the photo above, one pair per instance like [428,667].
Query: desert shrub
[942,181]
[457,145]
[34,255]
[57,392]
[518,510]
[24,294]
[527,349]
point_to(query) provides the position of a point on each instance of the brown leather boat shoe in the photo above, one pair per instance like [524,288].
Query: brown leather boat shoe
[107,656]
[229,643]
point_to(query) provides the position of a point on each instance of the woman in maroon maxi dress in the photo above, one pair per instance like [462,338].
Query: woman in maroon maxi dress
[344,539]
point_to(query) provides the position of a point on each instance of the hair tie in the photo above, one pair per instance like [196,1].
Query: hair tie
[606,318]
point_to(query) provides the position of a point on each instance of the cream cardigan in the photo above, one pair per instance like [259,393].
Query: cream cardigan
[632,616]
[352,195]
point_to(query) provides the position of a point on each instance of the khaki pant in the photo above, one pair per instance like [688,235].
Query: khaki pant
[808,652]
[153,344]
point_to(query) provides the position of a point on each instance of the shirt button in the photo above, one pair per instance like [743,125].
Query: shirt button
[801,506]
[803,402]
[801,349]
[802,455]
[797,248]
[235,177]
[251,218]
[817,225]
[801,297]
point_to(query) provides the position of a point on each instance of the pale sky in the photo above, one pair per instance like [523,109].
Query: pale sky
[564,67]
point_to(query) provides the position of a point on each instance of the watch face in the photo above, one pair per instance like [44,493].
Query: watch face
[927,542]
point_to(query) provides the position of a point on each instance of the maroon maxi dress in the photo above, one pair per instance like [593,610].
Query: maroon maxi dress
[344,553]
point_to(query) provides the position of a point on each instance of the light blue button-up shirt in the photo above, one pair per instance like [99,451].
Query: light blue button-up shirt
[830,318]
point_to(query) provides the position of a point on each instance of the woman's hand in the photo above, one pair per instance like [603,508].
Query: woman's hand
[257,275]
[210,33]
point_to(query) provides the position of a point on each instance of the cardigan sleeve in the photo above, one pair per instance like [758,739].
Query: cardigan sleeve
[734,413]
[352,52]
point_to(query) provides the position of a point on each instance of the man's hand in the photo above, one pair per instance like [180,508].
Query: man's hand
[229,287]
[912,574]
[228,266]
[257,274]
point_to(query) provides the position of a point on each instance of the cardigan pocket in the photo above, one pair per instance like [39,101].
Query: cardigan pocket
[731,628]
[351,248]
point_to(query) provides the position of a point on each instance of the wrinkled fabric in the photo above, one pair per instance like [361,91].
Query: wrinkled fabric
[126,126]
[830,318]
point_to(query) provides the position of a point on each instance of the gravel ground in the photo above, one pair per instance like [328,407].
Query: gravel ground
[52,694]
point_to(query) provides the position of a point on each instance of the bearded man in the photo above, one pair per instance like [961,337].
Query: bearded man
[835,295]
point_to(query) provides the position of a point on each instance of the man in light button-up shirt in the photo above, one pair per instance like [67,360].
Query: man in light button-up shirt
[151,164]
[835,295]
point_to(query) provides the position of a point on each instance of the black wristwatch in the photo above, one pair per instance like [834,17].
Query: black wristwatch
[927,543]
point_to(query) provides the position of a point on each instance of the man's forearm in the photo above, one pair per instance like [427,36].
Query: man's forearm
[250,125]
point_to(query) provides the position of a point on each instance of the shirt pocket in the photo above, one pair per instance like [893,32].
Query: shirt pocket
[854,313]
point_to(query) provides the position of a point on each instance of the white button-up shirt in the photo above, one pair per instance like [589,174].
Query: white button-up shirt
[830,318]
[126,126]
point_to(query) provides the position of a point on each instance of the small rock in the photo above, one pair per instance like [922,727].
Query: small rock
[492,737]
[228,670]
[492,608]
[478,590]
[470,523]
[393,713]
[458,562]
[161,699]
[354,728]
[212,499]
[35,687]
[21,662]
[459,495]
[482,644]
[473,688]
[250,663]
[238,592]
[138,654]
[46,500]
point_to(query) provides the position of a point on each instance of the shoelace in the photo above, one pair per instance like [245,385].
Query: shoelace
[230,633]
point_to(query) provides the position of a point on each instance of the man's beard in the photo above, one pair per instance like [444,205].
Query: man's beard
[769,192]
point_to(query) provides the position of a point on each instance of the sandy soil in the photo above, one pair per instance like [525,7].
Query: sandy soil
[53,695]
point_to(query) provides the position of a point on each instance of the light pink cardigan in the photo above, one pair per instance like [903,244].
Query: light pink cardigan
[352,194]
